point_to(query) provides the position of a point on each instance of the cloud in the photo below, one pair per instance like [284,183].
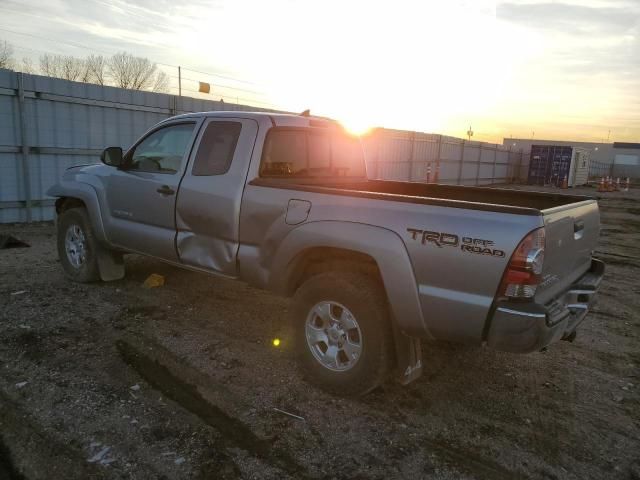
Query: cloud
[584,40]
[573,62]
[572,19]
[148,28]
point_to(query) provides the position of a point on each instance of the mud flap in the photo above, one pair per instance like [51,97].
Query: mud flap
[110,265]
[408,357]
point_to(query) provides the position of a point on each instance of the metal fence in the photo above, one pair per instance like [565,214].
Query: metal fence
[422,157]
[626,171]
[48,125]
[599,170]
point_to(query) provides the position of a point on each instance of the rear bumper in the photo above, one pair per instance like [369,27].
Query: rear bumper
[529,327]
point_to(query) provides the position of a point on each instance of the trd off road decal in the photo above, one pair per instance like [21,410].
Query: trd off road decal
[466,244]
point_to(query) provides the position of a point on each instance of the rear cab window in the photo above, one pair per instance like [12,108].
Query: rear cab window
[311,153]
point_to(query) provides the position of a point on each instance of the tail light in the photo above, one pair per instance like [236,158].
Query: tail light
[524,272]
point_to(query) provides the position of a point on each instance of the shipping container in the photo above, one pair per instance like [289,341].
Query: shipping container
[551,164]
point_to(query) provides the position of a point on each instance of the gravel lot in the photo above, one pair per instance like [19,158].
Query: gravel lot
[181,381]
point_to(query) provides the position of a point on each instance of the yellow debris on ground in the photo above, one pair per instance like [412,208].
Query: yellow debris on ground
[154,280]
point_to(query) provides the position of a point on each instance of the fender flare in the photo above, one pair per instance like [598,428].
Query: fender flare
[383,245]
[89,196]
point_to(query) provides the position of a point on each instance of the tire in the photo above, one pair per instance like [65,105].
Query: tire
[342,333]
[77,246]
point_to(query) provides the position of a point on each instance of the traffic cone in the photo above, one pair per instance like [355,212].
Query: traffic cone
[601,185]
[565,183]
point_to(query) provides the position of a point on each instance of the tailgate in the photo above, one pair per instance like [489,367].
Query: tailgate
[571,235]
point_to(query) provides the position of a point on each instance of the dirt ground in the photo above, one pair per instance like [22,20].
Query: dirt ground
[181,381]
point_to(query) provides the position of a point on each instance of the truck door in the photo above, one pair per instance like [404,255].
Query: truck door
[141,196]
[208,206]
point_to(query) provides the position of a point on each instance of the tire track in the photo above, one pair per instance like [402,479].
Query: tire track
[235,434]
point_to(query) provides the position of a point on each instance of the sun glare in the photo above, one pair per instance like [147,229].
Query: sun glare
[356,127]
[408,78]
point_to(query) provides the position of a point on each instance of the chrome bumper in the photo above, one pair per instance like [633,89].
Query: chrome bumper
[528,327]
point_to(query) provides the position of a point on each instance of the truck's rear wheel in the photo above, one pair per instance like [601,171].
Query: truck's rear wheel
[77,246]
[342,332]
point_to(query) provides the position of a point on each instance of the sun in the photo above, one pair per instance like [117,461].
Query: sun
[356,126]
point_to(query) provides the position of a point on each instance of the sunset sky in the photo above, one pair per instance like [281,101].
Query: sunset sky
[564,70]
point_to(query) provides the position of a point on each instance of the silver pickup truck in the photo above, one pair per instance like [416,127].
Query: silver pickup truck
[283,202]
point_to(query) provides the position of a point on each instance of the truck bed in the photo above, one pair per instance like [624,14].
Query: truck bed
[474,198]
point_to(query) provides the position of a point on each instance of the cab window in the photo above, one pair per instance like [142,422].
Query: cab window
[162,151]
[285,153]
[307,152]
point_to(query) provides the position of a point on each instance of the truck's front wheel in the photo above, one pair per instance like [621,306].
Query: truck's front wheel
[77,246]
[342,332]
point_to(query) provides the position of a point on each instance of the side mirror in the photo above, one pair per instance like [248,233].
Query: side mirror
[112,156]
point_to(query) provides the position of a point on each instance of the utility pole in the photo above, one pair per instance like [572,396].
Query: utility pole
[24,129]
[470,133]
[179,81]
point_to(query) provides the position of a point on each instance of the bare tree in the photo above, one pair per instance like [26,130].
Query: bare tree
[28,66]
[73,68]
[123,69]
[136,73]
[6,55]
[85,73]
[161,83]
[96,67]
[119,70]
[50,65]
[67,67]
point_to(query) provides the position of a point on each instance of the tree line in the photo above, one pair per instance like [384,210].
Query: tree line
[122,69]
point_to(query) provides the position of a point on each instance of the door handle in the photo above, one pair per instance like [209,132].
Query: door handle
[166,190]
